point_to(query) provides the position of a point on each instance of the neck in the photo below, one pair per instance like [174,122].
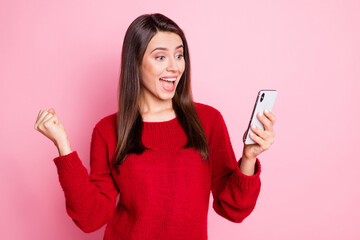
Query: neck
[147,105]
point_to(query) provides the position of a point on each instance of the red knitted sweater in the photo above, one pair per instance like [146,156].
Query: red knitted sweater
[164,192]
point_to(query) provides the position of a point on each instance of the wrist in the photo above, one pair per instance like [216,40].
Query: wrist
[248,159]
[63,147]
[247,165]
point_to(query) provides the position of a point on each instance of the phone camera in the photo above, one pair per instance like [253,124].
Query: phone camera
[262,97]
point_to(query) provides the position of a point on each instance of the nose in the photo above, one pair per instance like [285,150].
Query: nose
[172,65]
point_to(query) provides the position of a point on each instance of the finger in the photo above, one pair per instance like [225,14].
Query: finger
[268,137]
[46,119]
[48,126]
[265,121]
[256,138]
[37,118]
[264,145]
[261,133]
[41,116]
[244,136]
[44,116]
[270,116]
[50,121]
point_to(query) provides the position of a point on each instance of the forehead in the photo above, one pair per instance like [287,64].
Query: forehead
[168,40]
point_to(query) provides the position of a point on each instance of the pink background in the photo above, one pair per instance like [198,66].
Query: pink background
[66,55]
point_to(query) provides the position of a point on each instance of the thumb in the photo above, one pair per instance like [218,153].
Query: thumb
[244,136]
[51,110]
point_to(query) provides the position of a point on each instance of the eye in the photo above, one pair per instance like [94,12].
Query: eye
[159,58]
[179,56]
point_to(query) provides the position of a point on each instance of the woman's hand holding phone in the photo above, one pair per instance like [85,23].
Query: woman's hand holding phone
[49,125]
[263,138]
[260,134]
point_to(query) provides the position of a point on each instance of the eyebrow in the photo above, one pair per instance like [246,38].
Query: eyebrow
[165,49]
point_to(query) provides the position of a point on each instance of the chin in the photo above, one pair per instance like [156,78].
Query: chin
[167,98]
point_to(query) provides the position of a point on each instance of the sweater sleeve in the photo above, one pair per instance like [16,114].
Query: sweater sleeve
[235,194]
[90,199]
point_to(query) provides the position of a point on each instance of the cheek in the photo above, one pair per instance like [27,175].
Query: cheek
[182,67]
[153,70]
[149,72]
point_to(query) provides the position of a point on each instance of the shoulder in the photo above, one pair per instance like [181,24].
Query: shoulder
[106,125]
[206,111]
[212,122]
[107,120]
[208,115]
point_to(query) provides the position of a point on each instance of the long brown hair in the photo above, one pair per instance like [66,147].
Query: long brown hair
[129,120]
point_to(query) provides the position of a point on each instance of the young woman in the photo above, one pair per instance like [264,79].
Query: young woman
[161,152]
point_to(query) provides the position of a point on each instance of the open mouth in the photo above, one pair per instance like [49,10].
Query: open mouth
[168,83]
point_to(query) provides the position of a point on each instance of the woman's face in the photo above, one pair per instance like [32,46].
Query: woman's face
[162,67]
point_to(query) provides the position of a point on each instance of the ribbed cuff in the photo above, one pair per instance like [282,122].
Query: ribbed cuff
[245,180]
[67,162]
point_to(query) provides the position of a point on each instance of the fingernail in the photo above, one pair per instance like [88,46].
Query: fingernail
[267,111]
[253,126]
[260,114]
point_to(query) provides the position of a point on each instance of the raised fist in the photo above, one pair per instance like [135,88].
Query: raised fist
[49,124]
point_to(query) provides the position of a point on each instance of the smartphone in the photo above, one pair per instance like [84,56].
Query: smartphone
[265,100]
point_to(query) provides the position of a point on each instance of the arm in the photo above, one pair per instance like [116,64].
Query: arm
[90,199]
[235,194]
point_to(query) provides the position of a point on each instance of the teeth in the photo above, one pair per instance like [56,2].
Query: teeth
[168,79]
